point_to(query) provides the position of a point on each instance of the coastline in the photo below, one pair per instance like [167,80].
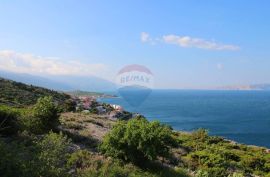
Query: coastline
[183,131]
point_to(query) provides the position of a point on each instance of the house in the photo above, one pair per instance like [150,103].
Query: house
[117,107]
[87,101]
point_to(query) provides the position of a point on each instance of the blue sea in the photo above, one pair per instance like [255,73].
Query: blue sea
[242,116]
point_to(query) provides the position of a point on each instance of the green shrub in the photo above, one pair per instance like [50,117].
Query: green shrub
[92,165]
[138,141]
[220,157]
[42,118]
[267,175]
[68,106]
[201,173]
[111,168]
[217,172]
[8,120]
[9,165]
[94,110]
[79,159]
[36,157]
[236,175]
[52,155]
[16,157]
[200,135]
[46,111]
[254,163]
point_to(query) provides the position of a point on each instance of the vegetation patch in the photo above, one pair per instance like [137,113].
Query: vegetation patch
[217,157]
[138,141]
[20,95]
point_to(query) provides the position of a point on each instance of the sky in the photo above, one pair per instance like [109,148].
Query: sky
[185,43]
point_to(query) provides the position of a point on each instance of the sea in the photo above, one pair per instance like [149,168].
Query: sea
[241,116]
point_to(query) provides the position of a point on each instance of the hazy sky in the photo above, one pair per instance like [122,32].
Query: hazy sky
[186,44]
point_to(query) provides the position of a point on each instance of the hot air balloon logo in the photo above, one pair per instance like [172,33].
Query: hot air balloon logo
[135,84]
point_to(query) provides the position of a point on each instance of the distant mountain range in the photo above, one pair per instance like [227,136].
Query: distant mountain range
[261,86]
[63,83]
[92,83]
[247,87]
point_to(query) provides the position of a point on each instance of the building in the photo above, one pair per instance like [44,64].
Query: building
[117,107]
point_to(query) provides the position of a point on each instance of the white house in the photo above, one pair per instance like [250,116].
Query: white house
[117,107]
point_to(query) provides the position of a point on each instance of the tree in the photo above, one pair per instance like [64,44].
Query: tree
[52,155]
[69,105]
[138,141]
[42,118]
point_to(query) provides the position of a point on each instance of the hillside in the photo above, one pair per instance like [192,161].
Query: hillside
[19,94]
[38,141]
[64,83]
[194,152]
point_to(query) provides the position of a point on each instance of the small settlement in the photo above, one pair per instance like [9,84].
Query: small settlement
[89,104]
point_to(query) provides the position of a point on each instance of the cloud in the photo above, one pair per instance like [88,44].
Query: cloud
[186,41]
[33,64]
[145,37]
[189,42]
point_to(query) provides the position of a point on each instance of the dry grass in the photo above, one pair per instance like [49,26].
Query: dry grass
[85,127]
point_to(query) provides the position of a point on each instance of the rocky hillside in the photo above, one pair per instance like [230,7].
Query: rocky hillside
[38,141]
[20,95]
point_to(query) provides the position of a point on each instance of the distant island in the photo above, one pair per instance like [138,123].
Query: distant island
[246,87]
[79,93]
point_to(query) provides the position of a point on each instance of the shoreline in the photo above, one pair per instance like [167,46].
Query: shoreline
[183,131]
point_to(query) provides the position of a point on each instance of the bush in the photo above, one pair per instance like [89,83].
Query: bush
[44,157]
[8,120]
[9,165]
[236,175]
[220,157]
[94,110]
[69,105]
[79,159]
[42,118]
[17,158]
[113,169]
[138,141]
[254,163]
[201,173]
[91,165]
[52,155]
[200,135]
